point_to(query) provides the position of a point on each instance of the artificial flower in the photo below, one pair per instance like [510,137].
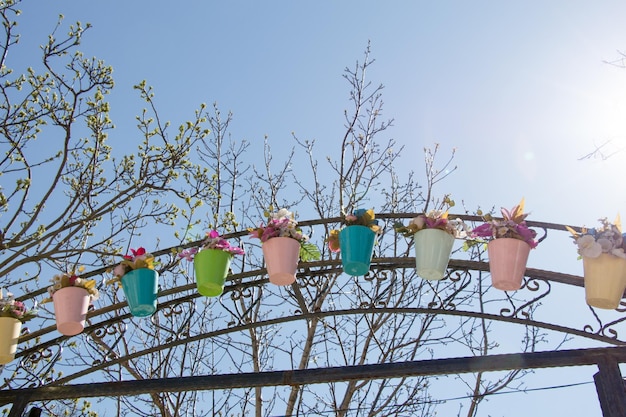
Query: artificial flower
[606,239]
[139,259]
[360,217]
[282,223]
[435,219]
[72,280]
[10,307]
[512,225]
[212,241]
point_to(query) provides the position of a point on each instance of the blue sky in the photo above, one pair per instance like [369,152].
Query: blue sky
[521,89]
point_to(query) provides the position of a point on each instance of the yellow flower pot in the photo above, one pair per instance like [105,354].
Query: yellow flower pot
[9,334]
[605,280]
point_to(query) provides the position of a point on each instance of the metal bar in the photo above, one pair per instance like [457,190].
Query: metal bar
[576,357]
[19,405]
[610,388]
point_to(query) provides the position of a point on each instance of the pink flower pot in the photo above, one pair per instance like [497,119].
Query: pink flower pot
[605,280]
[9,335]
[281,259]
[507,262]
[70,309]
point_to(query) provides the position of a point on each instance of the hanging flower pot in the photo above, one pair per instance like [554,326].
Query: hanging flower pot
[70,309]
[140,287]
[211,263]
[211,267]
[604,262]
[9,334]
[507,262]
[356,244]
[433,235]
[283,245]
[12,314]
[72,296]
[433,248]
[605,280]
[509,247]
[281,259]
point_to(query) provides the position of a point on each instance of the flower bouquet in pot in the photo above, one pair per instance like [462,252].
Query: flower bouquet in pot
[211,263]
[283,245]
[510,242]
[433,234]
[355,241]
[12,314]
[604,263]
[139,281]
[72,297]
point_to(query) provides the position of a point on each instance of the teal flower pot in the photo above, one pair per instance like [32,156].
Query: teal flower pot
[357,246]
[211,267]
[140,287]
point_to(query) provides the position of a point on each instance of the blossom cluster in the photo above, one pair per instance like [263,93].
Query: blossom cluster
[512,225]
[606,239]
[280,224]
[434,219]
[360,217]
[72,280]
[139,259]
[10,307]
[212,241]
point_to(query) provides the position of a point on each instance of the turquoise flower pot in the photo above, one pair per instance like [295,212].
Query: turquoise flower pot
[357,246]
[140,287]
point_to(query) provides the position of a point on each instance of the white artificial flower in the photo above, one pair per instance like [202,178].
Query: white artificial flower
[281,213]
[587,246]
[606,244]
[418,221]
[119,271]
[619,252]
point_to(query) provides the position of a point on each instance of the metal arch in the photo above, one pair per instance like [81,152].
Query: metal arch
[504,315]
[604,334]
[322,314]
[310,270]
[309,274]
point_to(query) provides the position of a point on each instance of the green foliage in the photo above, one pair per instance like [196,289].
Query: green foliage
[309,252]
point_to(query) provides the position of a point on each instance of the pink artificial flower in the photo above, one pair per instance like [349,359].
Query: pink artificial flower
[120,270]
[528,235]
[19,307]
[73,279]
[138,252]
[350,218]
[484,230]
[188,254]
